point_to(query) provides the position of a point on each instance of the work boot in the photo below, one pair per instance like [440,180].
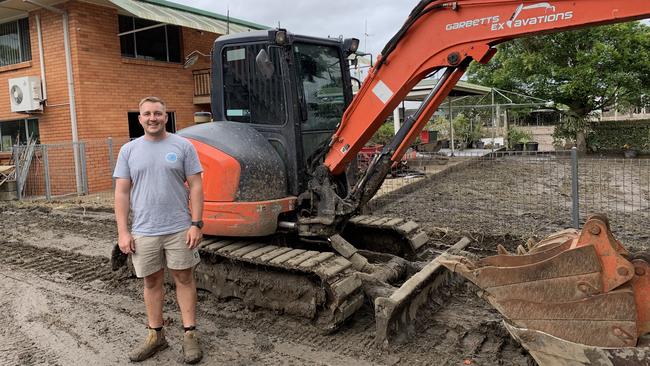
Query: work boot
[154,342]
[191,350]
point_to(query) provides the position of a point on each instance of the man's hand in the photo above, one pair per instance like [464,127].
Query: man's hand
[126,243]
[194,237]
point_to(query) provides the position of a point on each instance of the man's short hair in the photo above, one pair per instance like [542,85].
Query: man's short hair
[152,100]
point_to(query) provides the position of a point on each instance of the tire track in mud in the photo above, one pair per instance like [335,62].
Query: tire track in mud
[17,348]
[74,267]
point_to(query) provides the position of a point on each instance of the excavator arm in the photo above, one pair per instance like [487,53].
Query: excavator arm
[437,35]
[450,34]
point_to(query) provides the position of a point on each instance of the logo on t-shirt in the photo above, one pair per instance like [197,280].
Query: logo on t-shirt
[171,157]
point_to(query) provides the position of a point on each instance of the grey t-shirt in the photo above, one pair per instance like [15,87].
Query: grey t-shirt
[158,171]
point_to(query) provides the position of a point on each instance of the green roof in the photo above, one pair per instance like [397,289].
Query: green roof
[189,9]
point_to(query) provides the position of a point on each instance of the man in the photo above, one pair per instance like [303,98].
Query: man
[151,173]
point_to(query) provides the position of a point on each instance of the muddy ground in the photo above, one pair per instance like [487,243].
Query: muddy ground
[61,304]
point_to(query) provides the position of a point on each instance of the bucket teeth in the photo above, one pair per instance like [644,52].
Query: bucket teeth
[574,285]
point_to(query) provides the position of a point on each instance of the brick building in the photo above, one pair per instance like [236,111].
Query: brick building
[94,60]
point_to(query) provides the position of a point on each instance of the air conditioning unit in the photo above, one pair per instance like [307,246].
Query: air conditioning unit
[25,94]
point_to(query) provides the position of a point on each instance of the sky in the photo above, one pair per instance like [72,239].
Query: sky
[372,22]
[331,18]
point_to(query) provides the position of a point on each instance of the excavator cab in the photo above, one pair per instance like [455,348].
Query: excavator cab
[290,88]
[277,99]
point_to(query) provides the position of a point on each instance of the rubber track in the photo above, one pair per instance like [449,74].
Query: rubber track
[309,283]
[406,234]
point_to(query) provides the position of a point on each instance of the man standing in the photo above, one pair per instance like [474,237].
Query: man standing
[151,173]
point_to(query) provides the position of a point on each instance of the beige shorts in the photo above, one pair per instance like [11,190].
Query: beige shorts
[152,251]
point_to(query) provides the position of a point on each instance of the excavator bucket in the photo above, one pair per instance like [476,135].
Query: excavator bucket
[573,296]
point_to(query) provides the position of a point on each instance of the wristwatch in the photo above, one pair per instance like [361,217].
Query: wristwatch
[198,224]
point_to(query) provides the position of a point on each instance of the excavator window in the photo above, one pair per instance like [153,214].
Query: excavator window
[249,95]
[319,70]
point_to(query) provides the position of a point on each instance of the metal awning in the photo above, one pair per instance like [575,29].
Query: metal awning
[462,88]
[165,12]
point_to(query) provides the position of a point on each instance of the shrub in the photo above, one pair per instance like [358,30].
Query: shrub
[383,135]
[517,136]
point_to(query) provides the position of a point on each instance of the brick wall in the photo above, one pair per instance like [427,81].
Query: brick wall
[107,86]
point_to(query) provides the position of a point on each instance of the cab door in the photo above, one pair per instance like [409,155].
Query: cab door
[324,93]
[250,96]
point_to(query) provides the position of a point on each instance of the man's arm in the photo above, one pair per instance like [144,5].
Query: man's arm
[194,235]
[122,203]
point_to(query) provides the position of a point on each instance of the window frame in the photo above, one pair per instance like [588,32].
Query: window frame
[25,127]
[134,31]
[251,72]
[24,41]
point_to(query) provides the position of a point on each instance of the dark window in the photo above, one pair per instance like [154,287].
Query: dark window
[249,96]
[16,132]
[149,40]
[14,42]
[135,129]
[320,73]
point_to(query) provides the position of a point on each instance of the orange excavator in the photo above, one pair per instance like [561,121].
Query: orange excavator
[282,212]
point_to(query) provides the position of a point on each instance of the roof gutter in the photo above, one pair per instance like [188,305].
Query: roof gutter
[71,91]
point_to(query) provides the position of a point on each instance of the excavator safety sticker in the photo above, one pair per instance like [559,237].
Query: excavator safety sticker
[382,91]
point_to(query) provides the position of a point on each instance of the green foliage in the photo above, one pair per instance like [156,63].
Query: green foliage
[610,137]
[517,136]
[441,124]
[586,70]
[383,135]
[569,129]
[465,130]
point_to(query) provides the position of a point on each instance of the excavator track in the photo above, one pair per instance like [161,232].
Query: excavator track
[384,234]
[318,285]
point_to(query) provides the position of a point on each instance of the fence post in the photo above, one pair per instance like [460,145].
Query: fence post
[16,153]
[111,160]
[84,171]
[575,198]
[46,173]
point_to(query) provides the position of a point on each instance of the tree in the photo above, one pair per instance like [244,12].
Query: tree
[383,135]
[586,70]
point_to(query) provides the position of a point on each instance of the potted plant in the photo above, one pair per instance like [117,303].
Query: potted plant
[441,125]
[629,151]
[517,138]
[532,146]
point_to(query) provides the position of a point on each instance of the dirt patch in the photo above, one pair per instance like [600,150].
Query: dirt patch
[62,305]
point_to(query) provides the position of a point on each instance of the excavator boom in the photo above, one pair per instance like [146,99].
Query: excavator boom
[448,34]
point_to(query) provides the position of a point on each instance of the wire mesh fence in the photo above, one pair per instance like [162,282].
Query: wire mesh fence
[493,191]
[68,169]
[497,192]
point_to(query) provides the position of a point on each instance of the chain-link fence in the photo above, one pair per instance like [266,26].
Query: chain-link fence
[487,190]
